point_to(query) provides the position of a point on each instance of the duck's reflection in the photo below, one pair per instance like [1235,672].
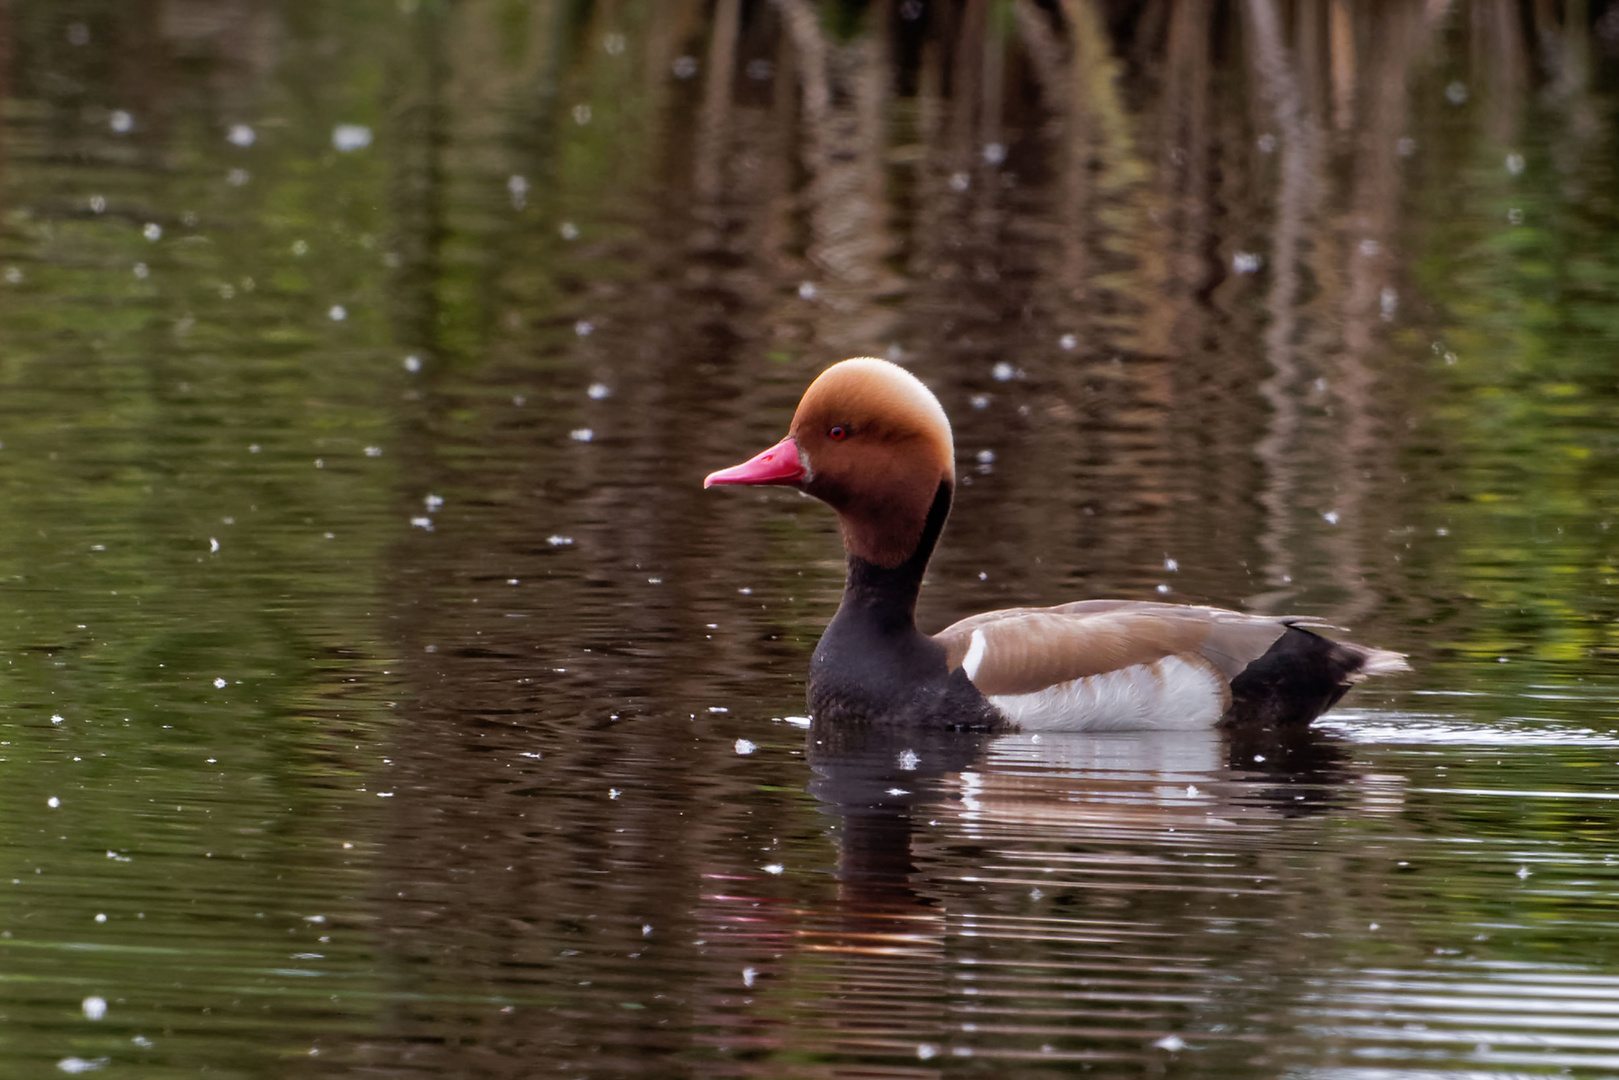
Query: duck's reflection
[886,784]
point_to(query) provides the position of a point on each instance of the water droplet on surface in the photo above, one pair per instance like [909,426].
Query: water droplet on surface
[74,1065]
[101,916]
[53,802]
[349,137]
[241,135]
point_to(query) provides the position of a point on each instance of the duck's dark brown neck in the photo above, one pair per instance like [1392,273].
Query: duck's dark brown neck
[873,664]
[888,594]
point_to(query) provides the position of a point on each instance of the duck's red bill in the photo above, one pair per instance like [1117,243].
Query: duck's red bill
[781,464]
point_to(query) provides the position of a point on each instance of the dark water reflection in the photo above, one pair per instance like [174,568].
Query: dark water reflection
[383,696]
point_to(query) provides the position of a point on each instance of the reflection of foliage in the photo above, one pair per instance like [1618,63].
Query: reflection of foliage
[1529,288]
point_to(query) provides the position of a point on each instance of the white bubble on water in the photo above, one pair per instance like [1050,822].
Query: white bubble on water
[581,114]
[746,746]
[241,135]
[559,541]
[613,44]
[13,275]
[1330,517]
[56,718]
[98,204]
[213,545]
[337,313]
[121,121]
[152,231]
[807,290]
[1388,302]
[517,188]
[584,328]
[101,916]
[1163,590]
[1246,262]
[75,1065]
[237,177]
[1003,372]
[994,153]
[568,230]
[94,1007]
[350,137]
[986,457]
[748,975]
[1515,164]
[422,523]
[1456,92]
[53,802]
[1068,342]
[909,759]
[413,363]
[960,182]
[583,434]
[373,451]
[684,67]
[219,684]
[1172,1043]
[598,392]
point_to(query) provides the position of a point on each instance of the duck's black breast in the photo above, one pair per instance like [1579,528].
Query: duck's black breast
[868,668]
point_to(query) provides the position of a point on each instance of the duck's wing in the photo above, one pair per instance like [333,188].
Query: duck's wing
[1027,650]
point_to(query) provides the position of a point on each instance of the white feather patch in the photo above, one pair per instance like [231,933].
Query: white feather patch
[975,654]
[1166,695]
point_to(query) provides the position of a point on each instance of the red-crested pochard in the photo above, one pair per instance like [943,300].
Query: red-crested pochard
[873,443]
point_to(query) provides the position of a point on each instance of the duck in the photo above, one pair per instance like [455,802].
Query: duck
[870,440]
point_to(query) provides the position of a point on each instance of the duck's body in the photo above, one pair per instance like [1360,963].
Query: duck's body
[871,441]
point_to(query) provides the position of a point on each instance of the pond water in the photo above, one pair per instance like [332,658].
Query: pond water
[382,695]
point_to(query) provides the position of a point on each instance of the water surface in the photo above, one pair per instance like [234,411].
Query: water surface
[384,697]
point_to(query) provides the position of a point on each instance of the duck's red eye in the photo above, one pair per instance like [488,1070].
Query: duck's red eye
[837,432]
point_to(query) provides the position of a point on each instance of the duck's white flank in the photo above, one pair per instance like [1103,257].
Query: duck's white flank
[1166,695]
[975,654]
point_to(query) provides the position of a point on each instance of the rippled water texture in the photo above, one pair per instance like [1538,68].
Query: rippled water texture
[383,697]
